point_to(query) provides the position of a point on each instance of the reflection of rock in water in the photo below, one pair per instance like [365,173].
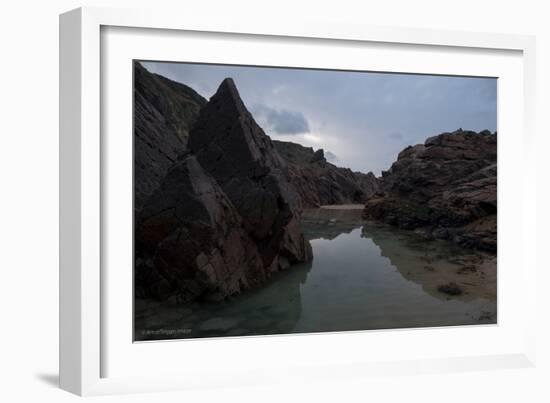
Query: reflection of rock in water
[436,264]
[279,307]
[329,223]
[272,309]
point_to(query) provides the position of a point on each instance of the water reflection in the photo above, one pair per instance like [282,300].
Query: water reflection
[328,224]
[273,309]
[434,263]
[363,276]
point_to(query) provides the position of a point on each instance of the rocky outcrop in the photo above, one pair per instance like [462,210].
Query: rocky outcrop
[232,148]
[319,182]
[190,240]
[224,218]
[164,112]
[444,188]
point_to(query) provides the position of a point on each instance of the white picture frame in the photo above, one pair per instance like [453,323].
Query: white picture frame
[93,328]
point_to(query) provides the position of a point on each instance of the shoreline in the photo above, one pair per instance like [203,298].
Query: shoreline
[342,207]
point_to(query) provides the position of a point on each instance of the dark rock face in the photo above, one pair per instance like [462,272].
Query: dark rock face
[164,112]
[235,151]
[319,182]
[445,187]
[190,241]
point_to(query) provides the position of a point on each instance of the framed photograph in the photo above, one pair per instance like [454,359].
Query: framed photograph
[244,202]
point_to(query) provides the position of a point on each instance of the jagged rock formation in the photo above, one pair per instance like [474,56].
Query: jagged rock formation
[216,205]
[321,183]
[444,188]
[232,148]
[164,112]
[224,217]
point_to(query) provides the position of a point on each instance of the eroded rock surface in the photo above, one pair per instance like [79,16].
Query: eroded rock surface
[444,188]
[319,182]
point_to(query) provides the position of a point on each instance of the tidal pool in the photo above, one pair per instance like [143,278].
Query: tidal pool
[363,276]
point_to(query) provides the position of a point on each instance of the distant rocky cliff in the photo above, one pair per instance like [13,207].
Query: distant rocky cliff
[321,183]
[445,188]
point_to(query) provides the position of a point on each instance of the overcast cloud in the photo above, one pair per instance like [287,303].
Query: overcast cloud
[280,121]
[363,118]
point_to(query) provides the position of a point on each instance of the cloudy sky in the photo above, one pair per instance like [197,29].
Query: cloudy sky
[361,119]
